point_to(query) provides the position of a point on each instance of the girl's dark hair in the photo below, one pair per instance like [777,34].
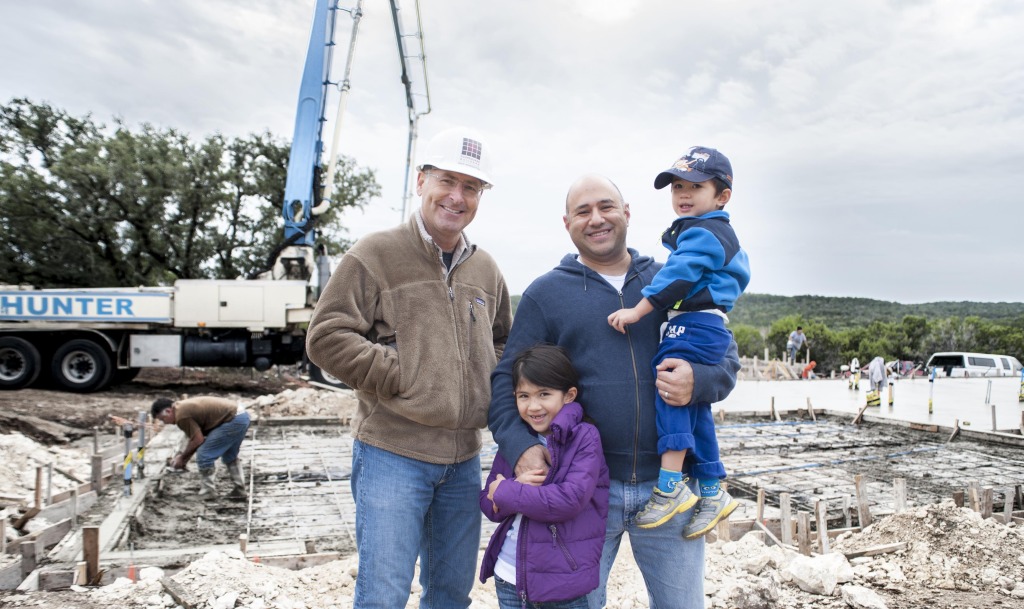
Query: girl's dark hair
[546,366]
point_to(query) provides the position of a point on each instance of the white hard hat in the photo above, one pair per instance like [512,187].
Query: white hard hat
[460,150]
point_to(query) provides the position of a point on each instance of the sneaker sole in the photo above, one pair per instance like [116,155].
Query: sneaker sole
[682,509]
[726,511]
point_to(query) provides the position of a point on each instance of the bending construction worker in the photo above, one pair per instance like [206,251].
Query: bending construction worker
[215,429]
[877,374]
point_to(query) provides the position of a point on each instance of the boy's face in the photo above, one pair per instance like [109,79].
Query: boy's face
[697,198]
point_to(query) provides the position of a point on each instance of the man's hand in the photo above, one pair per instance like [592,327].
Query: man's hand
[534,458]
[534,477]
[178,462]
[675,381]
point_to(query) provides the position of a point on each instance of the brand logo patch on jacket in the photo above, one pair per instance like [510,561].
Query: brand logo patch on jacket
[674,331]
[479,301]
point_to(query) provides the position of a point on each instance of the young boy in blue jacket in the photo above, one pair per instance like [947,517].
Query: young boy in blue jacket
[705,273]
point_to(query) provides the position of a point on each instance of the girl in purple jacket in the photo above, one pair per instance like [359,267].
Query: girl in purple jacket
[547,550]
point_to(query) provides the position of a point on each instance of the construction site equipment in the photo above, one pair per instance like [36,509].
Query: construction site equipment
[84,340]
[931,392]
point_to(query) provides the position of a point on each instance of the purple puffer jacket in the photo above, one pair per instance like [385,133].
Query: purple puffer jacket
[562,534]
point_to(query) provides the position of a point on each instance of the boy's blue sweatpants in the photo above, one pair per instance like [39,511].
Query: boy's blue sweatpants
[699,338]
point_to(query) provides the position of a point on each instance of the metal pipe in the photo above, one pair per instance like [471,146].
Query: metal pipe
[414,116]
[345,86]
[141,454]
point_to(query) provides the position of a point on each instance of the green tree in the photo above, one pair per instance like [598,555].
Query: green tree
[748,340]
[86,206]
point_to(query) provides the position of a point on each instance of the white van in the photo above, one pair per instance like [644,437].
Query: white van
[962,363]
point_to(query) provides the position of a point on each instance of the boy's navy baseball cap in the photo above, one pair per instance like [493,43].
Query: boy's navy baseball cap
[699,164]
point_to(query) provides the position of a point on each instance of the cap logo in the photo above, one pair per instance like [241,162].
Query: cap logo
[471,151]
[688,162]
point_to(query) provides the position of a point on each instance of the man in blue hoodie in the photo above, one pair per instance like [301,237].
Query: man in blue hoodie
[569,306]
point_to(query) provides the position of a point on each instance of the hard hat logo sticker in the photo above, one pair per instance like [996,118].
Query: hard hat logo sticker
[471,151]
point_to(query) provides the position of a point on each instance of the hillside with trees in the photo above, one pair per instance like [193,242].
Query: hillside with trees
[842,313]
[839,329]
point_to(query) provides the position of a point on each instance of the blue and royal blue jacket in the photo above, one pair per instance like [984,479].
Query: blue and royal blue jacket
[707,268]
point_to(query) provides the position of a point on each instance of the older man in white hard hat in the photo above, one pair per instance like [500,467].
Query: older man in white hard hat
[414,319]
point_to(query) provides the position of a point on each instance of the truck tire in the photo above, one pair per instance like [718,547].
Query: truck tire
[19,363]
[81,365]
[317,375]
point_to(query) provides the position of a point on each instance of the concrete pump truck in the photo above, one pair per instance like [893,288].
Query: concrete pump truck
[84,340]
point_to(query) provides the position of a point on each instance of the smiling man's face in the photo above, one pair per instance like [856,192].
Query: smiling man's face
[596,219]
[446,211]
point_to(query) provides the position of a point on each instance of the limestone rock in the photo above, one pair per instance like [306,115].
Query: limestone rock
[860,597]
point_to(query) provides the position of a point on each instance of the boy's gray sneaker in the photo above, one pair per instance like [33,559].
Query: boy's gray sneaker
[661,507]
[710,511]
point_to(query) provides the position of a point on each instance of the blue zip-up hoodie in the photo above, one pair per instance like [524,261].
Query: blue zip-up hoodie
[558,555]
[707,268]
[569,306]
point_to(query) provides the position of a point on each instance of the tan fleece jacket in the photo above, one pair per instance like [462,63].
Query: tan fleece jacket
[417,346]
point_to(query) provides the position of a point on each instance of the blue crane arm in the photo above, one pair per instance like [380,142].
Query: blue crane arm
[304,165]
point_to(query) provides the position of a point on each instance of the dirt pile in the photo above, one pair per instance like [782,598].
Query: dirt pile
[21,456]
[304,402]
[948,548]
[952,558]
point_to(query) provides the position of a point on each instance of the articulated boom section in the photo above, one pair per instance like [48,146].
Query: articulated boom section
[294,258]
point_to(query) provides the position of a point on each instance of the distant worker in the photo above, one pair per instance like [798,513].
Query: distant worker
[877,374]
[414,319]
[215,430]
[808,372]
[855,373]
[795,342]
[705,273]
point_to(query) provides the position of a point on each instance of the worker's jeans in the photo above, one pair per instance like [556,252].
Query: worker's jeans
[673,567]
[406,509]
[223,442]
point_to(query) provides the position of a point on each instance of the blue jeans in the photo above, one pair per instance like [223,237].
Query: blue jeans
[223,442]
[672,566]
[406,508]
[508,599]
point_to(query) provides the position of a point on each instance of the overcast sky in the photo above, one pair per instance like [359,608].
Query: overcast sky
[877,146]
